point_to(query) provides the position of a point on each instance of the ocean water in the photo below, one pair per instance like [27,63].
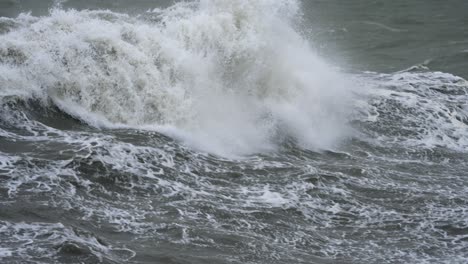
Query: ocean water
[233,131]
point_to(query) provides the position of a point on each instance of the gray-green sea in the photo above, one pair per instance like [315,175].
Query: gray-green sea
[233,131]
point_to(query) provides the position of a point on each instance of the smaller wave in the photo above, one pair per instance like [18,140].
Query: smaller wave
[417,109]
[383,26]
[66,241]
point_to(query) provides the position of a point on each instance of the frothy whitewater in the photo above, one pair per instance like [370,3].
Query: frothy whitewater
[211,132]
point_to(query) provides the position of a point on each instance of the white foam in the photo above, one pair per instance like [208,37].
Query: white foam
[273,198]
[5,252]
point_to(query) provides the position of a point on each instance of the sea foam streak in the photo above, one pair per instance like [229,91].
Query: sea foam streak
[227,76]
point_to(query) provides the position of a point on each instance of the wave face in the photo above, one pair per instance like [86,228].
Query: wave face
[230,77]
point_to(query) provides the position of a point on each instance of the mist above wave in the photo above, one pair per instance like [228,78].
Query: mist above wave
[229,77]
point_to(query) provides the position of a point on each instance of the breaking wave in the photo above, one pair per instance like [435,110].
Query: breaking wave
[229,77]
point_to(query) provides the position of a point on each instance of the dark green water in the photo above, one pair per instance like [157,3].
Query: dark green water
[233,131]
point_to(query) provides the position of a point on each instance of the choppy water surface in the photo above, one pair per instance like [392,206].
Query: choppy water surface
[224,132]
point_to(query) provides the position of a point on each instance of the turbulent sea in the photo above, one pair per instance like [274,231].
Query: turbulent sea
[234,131]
